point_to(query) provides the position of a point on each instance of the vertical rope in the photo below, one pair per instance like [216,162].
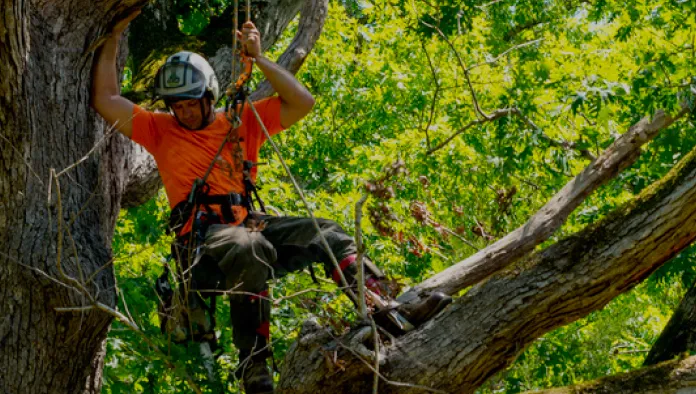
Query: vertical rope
[324,243]
[235,25]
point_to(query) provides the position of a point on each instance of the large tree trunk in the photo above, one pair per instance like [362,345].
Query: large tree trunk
[46,123]
[679,335]
[485,330]
[55,231]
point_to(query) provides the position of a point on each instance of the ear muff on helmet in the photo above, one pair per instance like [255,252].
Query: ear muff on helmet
[186,75]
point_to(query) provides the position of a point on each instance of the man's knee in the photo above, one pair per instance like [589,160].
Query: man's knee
[330,225]
[244,257]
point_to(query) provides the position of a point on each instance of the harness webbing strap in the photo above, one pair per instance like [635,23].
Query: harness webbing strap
[184,210]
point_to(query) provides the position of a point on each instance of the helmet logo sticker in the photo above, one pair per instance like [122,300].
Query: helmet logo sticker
[174,79]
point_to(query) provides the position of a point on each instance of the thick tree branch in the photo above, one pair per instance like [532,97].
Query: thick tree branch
[621,154]
[485,330]
[143,179]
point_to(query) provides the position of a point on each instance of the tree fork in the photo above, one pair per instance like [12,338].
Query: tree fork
[486,329]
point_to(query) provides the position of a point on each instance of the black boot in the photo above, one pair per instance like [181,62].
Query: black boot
[396,318]
[421,312]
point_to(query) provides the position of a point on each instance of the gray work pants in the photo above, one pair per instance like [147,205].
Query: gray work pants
[245,260]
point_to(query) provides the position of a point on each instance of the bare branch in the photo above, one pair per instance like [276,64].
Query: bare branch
[31,169]
[106,135]
[495,115]
[565,145]
[463,67]
[622,153]
[499,113]
[435,95]
[508,51]
[361,255]
[387,381]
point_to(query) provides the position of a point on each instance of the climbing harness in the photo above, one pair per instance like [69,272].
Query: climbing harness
[237,96]
[235,100]
[188,316]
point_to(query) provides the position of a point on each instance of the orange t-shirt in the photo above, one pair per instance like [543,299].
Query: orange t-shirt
[183,155]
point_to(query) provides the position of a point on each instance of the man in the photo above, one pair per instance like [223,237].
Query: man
[214,238]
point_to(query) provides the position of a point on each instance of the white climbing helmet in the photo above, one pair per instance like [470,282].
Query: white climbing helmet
[186,75]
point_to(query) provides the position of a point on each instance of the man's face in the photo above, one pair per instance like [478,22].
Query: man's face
[189,112]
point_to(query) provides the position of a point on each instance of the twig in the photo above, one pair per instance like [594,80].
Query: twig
[59,243]
[565,145]
[125,305]
[462,65]
[375,338]
[108,133]
[361,254]
[277,301]
[387,381]
[452,233]
[435,95]
[40,272]
[482,6]
[497,114]
[591,123]
[516,47]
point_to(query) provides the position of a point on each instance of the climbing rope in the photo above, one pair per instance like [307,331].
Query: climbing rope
[236,98]
[298,189]
[237,90]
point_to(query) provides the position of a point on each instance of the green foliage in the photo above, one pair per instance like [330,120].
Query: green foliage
[390,87]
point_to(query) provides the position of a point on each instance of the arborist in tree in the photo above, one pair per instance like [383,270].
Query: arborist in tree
[205,159]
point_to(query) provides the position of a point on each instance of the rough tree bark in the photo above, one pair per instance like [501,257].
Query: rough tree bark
[46,123]
[679,335]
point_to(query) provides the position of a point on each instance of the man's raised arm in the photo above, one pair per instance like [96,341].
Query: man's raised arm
[296,101]
[106,98]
